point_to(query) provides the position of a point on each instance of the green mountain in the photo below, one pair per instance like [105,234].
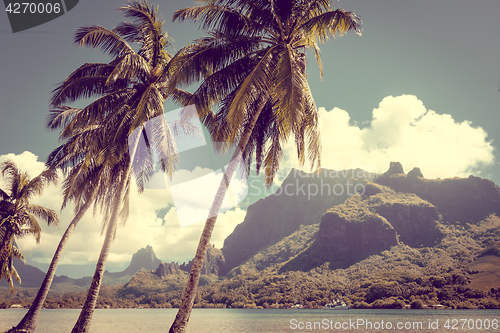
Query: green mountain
[397,209]
[300,200]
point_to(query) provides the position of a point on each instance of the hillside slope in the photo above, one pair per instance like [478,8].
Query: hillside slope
[300,200]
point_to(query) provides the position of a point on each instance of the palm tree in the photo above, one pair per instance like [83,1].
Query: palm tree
[129,91]
[253,67]
[18,217]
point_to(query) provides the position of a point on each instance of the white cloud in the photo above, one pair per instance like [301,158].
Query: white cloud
[174,243]
[193,192]
[27,161]
[402,130]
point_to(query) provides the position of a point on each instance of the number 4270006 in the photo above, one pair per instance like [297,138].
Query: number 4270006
[33,8]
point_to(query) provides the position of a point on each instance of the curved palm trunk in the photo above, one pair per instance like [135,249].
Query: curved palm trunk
[30,319]
[5,259]
[83,322]
[181,320]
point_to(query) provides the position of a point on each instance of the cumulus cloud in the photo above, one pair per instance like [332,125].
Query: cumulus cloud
[174,243]
[194,196]
[402,129]
[26,162]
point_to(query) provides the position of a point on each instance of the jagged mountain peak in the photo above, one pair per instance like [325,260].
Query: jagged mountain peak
[145,258]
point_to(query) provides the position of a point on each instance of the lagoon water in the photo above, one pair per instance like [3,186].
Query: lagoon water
[269,320]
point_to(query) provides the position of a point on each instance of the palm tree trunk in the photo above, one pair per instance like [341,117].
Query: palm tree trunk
[83,323]
[181,320]
[30,319]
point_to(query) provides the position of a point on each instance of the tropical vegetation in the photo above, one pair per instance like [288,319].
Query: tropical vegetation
[130,90]
[401,277]
[252,67]
[18,216]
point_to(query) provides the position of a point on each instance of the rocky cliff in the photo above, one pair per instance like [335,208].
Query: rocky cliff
[369,224]
[300,200]
[214,262]
[458,200]
[143,259]
[353,230]
[164,269]
[414,219]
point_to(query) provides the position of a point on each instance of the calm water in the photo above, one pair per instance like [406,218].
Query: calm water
[249,320]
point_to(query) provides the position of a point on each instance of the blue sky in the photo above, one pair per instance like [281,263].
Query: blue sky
[439,60]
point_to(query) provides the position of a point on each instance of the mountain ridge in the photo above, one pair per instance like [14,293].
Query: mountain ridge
[32,277]
[291,206]
[418,221]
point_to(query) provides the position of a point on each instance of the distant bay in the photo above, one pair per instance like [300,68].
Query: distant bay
[269,320]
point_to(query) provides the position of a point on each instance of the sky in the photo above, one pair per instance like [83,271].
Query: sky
[420,86]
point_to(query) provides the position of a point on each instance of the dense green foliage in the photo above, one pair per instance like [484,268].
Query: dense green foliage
[18,216]
[396,278]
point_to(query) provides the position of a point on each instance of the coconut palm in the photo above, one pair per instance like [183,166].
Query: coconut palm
[18,217]
[252,66]
[129,91]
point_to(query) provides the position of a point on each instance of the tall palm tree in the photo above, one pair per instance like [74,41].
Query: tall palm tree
[253,67]
[18,217]
[129,91]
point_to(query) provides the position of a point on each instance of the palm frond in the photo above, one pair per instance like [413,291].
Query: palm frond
[209,55]
[61,116]
[273,156]
[36,185]
[153,40]
[221,18]
[128,67]
[332,23]
[31,228]
[128,31]
[259,80]
[289,90]
[141,156]
[107,40]
[91,69]
[17,254]
[97,111]
[79,88]
[46,214]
